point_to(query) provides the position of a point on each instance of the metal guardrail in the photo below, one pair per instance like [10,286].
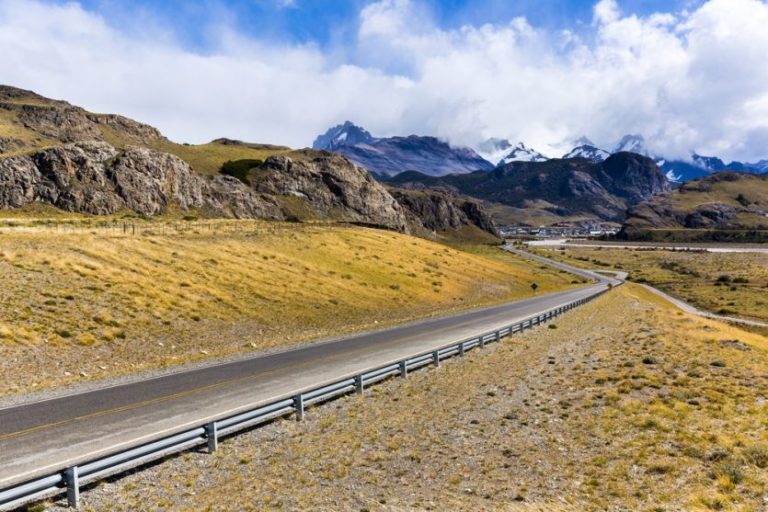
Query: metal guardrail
[70,480]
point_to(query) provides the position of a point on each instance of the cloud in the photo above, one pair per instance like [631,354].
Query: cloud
[695,79]
[607,11]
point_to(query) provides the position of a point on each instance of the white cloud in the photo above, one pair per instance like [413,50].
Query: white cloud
[696,79]
[607,11]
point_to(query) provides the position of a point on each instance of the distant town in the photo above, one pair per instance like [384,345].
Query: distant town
[556,231]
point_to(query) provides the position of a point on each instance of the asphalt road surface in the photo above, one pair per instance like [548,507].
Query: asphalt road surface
[42,437]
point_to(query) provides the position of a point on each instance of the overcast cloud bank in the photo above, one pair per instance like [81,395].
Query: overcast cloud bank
[693,80]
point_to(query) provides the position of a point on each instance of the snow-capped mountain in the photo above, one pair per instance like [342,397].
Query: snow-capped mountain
[392,155]
[585,148]
[501,152]
[761,166]
[346,134]
[632,144]
[710,163]
[389,156]
[672,177]
[522,153]
[493,149]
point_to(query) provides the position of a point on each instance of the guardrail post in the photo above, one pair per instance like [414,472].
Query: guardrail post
[498,335]
[298,404]
[403,369]
[436,358]
[72,480]
[359,385]
[212,434]
[461,349]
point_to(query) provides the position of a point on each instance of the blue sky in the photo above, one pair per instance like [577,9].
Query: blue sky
[688,75]
[334,23]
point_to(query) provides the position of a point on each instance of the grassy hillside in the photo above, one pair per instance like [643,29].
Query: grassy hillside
[81,295]
[733,284]
[208,158]
[29,122]
[727,206]
[627,405]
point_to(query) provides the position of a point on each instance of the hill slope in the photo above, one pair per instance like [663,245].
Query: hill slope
[722,201]
[80,294]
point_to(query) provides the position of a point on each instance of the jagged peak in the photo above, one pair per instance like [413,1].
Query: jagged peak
[344,134]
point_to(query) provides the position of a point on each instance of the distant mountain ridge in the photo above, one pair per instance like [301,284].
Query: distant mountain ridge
[388,156]
[428,155]
[565,188]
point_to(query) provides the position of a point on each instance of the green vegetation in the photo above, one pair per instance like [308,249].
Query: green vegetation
[240,169]
[209,158]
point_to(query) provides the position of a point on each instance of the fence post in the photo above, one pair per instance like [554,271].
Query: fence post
[359,385]
[72,480]
[298,404]
[403,369]
[212,433]
[436,358]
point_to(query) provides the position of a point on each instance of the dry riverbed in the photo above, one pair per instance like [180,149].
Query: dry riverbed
[625,404]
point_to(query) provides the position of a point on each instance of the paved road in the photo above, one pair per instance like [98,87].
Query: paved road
[692,309]
[725,248]
[42,437]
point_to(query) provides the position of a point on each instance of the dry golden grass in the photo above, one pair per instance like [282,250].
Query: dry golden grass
[628,404]
[713,282]
[81,298]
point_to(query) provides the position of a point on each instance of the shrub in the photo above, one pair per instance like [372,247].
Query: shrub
[757,455]
[240,168]
[724,278]
[729,470]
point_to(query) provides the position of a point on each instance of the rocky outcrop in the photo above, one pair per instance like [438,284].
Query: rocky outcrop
[96,178]
[58,121]
[438,211]
[332,186]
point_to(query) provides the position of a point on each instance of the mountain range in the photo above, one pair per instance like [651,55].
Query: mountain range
[390,156]
[53,153]
[575,190]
